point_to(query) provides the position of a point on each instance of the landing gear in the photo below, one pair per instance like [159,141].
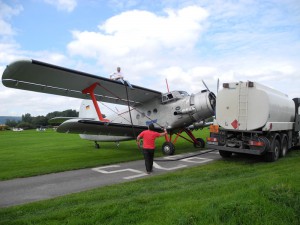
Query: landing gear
[200,143]
[168,148]
[97,146]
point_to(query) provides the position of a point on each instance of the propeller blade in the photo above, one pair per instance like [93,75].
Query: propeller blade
[218,85]
[205,86]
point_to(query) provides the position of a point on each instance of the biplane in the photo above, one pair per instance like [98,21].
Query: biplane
[177,111]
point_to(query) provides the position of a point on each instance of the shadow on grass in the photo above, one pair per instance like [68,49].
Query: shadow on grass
[253,159]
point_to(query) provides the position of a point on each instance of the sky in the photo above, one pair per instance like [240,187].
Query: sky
[183,41]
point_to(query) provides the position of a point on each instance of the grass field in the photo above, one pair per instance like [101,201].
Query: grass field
[241,190]
[236,191]
[31,153]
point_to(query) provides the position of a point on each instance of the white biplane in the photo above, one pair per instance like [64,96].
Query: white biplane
[177,111]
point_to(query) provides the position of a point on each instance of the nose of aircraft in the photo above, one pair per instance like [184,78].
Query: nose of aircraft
[204,103]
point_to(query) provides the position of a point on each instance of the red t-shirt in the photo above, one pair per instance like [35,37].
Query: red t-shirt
[149,138]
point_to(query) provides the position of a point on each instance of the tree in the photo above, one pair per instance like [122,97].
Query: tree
[27,118]
[11,123]
[66,113]
[39,121]
[25,125]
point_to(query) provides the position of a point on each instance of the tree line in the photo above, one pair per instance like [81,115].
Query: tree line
[31,122]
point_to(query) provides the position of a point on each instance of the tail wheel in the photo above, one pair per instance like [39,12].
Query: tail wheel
[97,146]
[200,143]
[284,146]
[168,148]
[274,152]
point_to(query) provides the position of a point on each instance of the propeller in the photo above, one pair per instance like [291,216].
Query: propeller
[205,85]
[218,85]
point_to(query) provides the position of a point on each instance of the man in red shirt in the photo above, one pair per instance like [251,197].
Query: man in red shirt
[149,137]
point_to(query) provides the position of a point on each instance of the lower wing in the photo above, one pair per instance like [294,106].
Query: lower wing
[85,126]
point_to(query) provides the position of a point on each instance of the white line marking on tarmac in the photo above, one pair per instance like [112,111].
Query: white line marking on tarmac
[102,170]
[155,165]
[196,160]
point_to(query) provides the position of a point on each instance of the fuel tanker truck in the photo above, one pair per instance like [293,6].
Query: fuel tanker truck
[254,119]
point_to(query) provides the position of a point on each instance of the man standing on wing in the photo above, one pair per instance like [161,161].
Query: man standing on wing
[149,137]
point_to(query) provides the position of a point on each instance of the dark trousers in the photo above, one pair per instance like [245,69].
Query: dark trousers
[148,155]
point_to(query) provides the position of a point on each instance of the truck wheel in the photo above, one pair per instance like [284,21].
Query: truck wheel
[225,154]
[273,155]
[200,144]
[168,148]
[284,146]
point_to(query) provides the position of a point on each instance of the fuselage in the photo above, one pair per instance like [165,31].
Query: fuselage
[174,110]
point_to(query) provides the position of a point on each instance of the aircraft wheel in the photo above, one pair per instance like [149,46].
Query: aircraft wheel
[97,146]
[168,148]
[200,144]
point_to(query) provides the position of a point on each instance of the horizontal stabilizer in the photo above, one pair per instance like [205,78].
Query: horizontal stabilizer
[60,120]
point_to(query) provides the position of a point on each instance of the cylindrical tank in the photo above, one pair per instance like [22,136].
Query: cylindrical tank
[250,105]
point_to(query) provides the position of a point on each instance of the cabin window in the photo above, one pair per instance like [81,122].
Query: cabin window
[143,115]
[149,113]
[154,111]
[138,116]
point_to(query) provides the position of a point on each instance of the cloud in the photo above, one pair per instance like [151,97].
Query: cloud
[63,5]
[6,12]
[140,34]
[232,41]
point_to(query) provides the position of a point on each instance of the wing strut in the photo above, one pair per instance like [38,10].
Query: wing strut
[90,90]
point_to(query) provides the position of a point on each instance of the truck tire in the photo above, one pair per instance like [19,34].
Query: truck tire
[274,152]
[168,148]
[284,146]
[225,154]
[200,144]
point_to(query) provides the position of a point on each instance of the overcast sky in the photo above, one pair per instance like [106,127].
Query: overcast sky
[181,41]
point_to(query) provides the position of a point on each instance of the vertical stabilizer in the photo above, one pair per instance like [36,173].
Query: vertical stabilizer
[87,110]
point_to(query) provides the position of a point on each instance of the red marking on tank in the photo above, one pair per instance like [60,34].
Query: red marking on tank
[235,124]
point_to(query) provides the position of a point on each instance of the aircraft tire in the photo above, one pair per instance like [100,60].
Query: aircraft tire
[201,143]
[97,146]
[168,148]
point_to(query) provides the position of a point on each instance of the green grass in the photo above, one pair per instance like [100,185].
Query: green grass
[236,191]
[30,153]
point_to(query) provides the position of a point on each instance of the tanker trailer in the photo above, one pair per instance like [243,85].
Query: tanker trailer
[254,119]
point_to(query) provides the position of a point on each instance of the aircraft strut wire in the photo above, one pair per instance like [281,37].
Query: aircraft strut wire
[128,106]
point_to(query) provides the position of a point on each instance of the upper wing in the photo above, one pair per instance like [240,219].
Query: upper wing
[46,78]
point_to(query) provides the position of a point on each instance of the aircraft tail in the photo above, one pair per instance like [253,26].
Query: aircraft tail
[87,110]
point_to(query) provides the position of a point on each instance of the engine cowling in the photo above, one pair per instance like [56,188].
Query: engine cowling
[202,106]
[204,103]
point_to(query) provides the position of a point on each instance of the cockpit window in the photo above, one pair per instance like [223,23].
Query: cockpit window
[173,96]
[183,93]
[170,96]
